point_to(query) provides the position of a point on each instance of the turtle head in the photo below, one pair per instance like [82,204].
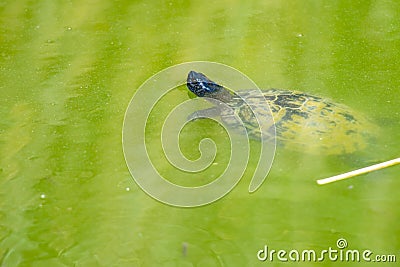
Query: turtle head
[201,86]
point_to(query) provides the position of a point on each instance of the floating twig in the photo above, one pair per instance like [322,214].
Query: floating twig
[359,171]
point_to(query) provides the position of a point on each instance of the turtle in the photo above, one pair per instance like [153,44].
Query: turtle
[303,122]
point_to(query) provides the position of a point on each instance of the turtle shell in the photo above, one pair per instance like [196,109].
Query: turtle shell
[304,122]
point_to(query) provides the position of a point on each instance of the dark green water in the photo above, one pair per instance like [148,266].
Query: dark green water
[68,71]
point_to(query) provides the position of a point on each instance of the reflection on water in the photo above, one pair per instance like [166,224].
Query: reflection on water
[68,72]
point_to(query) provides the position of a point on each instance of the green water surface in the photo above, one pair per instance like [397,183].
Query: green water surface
[68,70]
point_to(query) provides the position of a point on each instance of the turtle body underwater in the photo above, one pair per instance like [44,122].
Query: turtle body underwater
[303,122]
